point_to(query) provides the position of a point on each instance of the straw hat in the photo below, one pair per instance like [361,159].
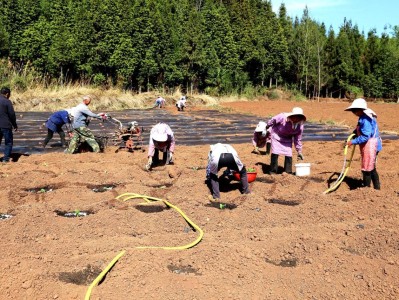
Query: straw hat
[358,103]
[297,111]
[260,127]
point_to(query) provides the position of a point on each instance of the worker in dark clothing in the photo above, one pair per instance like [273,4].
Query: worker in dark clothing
[8,121]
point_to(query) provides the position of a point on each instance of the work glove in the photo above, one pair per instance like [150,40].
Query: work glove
[149,164]
[169,158]
[300,156]
[256,150]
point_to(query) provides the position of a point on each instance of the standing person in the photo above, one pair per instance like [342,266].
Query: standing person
[54,124]
[8,121]
[160,102]
[220,156]
[285,129]
[181,103]
[161,139]
[261,138]
[81,133]
[369,140]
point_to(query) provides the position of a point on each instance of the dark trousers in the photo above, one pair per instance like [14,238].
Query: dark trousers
[274,164]
[8,142]
[226,160]
[155,159]
[50,134]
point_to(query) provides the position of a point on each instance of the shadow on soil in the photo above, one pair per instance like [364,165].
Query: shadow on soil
[83,277]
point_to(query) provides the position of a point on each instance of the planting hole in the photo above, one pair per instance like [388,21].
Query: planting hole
[286,263]
[40,190]
[284,202]
[102,188]
[185,270]
[5,216]
[221,205]
[83,277]
[73,214]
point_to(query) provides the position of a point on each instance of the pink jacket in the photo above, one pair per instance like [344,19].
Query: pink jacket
[284,133]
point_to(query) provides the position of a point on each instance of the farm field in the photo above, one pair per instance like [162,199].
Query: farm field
[286,240]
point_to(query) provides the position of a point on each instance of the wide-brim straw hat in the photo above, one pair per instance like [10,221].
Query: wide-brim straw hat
[159,137]
[358,103]
[260,127]
[297,111]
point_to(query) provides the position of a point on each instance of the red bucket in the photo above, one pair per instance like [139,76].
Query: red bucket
[251,175]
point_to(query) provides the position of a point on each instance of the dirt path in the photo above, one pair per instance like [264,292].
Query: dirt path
[285,241]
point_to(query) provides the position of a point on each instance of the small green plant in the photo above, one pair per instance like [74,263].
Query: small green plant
[77,212]
[251,170]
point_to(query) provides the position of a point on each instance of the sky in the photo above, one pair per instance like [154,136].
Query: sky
[366,14]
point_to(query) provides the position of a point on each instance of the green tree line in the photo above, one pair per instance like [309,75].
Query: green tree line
[213,46]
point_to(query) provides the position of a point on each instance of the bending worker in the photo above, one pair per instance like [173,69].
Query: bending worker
[81,133]
[261,138]
[160,102]
[369,140]
[54,124]
[286,128]
[220,156]
[161,139]
[181,103]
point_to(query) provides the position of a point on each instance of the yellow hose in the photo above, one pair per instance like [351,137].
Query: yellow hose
[102,274]
[128,196]
[147,199]
[345,169]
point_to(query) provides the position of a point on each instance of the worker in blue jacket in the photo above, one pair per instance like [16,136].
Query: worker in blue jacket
[54,124]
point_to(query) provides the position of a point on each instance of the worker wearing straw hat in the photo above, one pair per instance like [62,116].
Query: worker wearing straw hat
[369,140]
[286,128]
[161,139]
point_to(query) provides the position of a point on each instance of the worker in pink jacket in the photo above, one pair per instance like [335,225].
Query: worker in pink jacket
[161,139]
[286,128]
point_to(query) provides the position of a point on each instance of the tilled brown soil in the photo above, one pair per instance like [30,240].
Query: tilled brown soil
[287,240]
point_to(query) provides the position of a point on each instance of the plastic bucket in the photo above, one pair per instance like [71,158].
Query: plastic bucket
[250,175]
[302,169]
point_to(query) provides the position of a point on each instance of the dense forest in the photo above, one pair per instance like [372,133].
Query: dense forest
[214,46]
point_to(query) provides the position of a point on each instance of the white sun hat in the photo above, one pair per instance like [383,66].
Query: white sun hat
[297,111]
[260,127]
[159,135]
[358,103]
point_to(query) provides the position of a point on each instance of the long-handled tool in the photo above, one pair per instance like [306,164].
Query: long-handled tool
[345,168]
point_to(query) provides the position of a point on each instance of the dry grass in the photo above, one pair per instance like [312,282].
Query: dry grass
[52,99]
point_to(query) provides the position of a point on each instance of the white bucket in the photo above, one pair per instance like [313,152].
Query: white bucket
[302,169]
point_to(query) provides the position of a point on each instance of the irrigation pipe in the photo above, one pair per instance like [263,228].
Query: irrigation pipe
[128,196]
[102,274]
[148,200]
[345,168]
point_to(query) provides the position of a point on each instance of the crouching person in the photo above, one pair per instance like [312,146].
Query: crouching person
[224,156]
[261,138]
[161,139]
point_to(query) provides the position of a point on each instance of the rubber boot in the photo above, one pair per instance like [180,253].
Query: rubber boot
[274,163]
[268,147]
[288,165]
[244,181]
[376,179]
[366,178]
